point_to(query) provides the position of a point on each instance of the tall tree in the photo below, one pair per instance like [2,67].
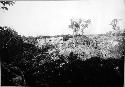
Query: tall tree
[114,24]
[5,3]
[75,27]
[78,24]
[84,24]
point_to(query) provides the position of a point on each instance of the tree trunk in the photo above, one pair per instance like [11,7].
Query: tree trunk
[45,39]
[74,41]
[82,33]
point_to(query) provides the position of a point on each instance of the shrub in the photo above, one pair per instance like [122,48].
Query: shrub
[10,43]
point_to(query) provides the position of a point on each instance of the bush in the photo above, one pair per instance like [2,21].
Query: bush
[10,43]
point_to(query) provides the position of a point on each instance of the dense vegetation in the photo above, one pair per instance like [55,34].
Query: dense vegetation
[25,64]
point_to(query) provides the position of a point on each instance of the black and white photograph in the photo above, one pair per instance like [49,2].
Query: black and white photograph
[62,43]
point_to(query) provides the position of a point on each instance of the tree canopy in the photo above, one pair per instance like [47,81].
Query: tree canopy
[5,3]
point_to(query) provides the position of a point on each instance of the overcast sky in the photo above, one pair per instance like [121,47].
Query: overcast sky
[32,18]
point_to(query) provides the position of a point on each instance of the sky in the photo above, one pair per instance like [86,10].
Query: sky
[33,18]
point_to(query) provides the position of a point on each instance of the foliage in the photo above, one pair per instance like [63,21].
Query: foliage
[30,40]
[5,3]
[10,43]
[66,37]
[27,65]
[114,24]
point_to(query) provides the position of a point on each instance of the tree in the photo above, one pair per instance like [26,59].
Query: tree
[84,24]
[75,26]
[10,43]
[5,3]
[114,24]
